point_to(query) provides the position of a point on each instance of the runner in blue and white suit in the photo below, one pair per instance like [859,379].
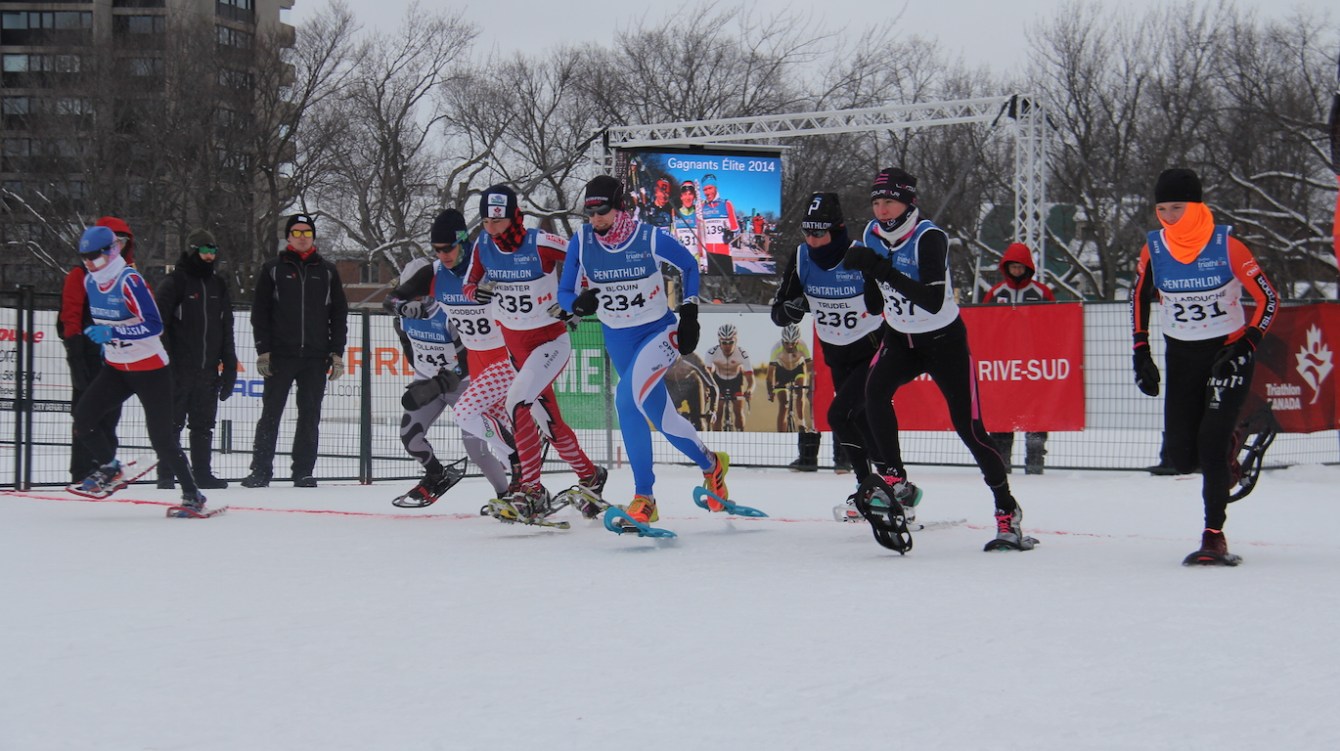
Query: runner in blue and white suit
[618,259]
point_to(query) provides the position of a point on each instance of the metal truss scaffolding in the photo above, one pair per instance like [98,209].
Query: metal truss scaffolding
[1026,119]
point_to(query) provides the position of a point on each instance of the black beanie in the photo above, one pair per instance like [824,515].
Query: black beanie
[824,213]
[449,228]
[1178,185]
[497,202]
[603,190]
[300,219]
[894,183]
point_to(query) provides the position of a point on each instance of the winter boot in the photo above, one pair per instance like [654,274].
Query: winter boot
[1005,447]
[259,478]
[201,460]
[841,462]
[1034,449]
[1213,551]
[809,453]
[166,481]
[531,501]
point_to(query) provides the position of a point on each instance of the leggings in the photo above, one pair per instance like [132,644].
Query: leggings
[414,426]
[534,409]
[641,356]
[944,355]
[111,388]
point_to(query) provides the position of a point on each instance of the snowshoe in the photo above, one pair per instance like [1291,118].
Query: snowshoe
[874,501]
[432,488]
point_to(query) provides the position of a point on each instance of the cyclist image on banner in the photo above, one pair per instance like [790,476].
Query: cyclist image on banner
[733,373]
[791,382]
[685,223]
[692,390]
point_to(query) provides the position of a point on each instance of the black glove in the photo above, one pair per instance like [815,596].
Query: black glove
[423,392]
[1146,372]
[227,379]
[484,293]
[688,328]
[789,311]
[587,302]
[414,308]
[1233,359]
[727,236]
[867,261]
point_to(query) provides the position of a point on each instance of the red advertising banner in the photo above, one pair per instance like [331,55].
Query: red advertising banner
[1030,371]
[1295,366]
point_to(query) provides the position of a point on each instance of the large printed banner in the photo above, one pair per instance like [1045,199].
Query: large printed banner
[1030,371]
[1295,366]
[722,205]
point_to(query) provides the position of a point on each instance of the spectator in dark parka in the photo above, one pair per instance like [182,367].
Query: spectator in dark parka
[197,313]
[299,318]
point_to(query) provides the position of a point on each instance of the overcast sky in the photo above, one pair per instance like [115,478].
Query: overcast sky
[984,32]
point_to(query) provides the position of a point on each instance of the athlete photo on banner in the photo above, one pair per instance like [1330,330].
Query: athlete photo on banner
[722,206]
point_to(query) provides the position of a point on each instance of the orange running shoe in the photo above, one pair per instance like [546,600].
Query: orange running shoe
[643,509]
[715,481]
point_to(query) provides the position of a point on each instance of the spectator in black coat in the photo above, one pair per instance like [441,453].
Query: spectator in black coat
[197,311]
[299,318]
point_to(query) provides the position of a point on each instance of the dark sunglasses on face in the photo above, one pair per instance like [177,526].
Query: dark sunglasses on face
[600,210]
[92,255]
[815,232]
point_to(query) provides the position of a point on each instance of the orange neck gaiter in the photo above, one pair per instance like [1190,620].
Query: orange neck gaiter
[1189,236]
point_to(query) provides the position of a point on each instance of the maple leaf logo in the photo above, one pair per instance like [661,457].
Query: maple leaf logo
[1314,362]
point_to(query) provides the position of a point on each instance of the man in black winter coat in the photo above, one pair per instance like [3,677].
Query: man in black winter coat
[197,311]
[299,318]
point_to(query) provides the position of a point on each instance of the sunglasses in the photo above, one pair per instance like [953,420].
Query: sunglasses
[302,233]
[92,255]
[445,247]
[600,210]
[207,250]
[815,232]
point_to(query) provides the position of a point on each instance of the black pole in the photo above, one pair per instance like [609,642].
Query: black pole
[365,406]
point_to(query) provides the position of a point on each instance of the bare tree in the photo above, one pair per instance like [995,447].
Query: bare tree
[386,169]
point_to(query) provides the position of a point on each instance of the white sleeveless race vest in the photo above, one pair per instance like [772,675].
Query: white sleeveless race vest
[836,299]
[522,290]
[1202,299]
[632,288]
[899,311]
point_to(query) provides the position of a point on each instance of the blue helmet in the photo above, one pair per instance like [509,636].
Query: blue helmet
[98,240]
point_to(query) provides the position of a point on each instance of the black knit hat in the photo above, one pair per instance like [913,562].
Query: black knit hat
[300,219]
[200,238]
[1178,185]
[894,183]
[824,213]
[602,191]
[497,202]
[449,228]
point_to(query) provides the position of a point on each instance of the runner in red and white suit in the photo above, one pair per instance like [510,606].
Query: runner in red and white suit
[519,269]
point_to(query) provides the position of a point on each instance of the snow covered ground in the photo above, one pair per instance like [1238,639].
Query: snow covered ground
[278,626]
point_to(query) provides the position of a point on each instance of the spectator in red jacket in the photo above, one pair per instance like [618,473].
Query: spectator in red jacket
[1017,286]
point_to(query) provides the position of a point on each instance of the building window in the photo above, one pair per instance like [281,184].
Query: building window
[234,38]
[15,105]
[144,66]
[140,24]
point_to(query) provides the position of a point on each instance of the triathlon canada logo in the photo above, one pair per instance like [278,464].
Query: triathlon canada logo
[1314,361]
